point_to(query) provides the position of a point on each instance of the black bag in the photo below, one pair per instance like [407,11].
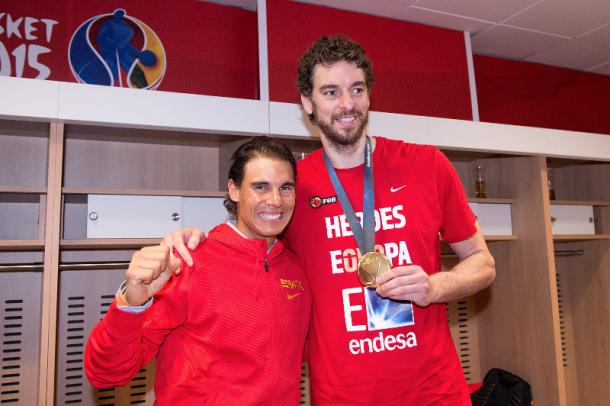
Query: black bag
[501,388]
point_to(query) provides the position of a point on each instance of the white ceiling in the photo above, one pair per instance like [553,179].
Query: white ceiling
[568,33]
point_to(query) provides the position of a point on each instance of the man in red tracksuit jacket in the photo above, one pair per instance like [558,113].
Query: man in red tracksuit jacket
[230,329]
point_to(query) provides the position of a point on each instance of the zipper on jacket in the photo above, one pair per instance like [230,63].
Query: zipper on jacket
[266,264]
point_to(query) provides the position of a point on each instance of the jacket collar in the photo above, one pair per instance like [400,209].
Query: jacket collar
[228,235]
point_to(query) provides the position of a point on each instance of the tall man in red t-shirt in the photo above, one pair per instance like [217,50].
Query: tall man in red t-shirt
[388,345]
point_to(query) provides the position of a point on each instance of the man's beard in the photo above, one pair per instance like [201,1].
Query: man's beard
[347,139]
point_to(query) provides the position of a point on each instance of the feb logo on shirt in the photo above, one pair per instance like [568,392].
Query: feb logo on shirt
[316,201]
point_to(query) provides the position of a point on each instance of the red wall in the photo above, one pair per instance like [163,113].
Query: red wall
[211,49]
[418,69]
[531,94]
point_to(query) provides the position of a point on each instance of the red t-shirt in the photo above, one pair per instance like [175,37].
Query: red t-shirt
[364,349]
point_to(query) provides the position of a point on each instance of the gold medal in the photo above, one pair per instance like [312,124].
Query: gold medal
[370,266]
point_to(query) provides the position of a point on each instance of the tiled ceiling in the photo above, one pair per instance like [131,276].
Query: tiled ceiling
[568,33]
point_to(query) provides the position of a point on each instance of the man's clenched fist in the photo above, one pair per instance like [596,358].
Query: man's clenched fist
[149,270]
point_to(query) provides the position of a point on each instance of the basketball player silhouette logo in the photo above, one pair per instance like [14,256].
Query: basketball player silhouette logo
[117,50]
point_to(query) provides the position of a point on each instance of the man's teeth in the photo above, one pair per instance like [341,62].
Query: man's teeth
[270,216]
[346,119]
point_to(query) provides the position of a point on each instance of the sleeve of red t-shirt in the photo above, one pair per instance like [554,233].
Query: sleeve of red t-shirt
[457,219]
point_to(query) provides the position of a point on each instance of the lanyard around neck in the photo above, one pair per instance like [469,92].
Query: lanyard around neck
[365,233]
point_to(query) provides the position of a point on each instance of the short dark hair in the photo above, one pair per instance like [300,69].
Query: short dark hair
[258,147]
[327,50]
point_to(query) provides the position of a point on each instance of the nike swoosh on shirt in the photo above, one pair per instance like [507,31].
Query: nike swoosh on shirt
[292,296]
[396,189]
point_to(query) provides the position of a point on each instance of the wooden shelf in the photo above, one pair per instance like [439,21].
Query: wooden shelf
[91,243]
[108,243]
[491,238]
[21,245]
[581,237]
[491,200]
[23,189]
[141,192]
[601,203]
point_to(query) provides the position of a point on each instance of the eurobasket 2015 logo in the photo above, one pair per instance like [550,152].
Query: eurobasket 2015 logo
[117,50]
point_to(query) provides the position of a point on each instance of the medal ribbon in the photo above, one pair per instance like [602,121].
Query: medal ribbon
[365,233]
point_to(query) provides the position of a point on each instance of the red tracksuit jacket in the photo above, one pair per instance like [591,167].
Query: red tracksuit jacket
[229,330]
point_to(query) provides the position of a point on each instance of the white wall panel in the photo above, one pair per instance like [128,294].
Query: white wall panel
[178,111]
[399,126]
[28,98]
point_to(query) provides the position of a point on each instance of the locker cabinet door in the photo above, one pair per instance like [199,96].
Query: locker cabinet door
[127,216]
[494,218]
[20,337]
[203,212]
[568,219]
[84,299]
